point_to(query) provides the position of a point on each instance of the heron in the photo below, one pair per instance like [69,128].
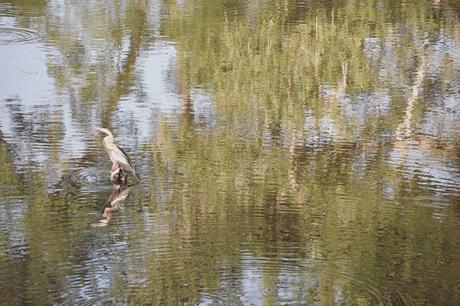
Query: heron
[120,160]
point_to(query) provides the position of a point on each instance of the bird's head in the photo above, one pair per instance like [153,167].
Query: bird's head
[104,130]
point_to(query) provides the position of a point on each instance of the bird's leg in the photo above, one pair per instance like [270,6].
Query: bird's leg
[116,185]
[125,178]
[117,178]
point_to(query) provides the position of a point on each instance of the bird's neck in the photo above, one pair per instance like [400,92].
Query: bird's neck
[109,142]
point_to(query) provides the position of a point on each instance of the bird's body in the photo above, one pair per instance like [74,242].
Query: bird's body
[119,158]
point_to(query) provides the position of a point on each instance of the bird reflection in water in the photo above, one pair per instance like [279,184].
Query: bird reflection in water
[114,202]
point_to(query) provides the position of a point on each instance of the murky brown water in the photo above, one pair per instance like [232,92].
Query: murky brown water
[291,152]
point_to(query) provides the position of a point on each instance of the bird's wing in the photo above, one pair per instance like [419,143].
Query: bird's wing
[125,162]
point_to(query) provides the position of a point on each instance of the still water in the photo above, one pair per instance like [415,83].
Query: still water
[290,152]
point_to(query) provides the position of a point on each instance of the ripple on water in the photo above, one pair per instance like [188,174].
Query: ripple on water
[291,279]
[210,299]
[11,35]
[12,212]
[266,278]
[104,300]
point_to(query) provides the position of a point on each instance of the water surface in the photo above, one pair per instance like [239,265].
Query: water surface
[291,152]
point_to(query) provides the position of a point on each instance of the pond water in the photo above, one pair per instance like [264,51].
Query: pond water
[290,152]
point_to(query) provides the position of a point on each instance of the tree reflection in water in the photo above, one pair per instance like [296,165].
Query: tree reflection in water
[293,152]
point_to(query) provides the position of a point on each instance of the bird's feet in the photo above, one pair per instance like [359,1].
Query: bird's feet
[119,178]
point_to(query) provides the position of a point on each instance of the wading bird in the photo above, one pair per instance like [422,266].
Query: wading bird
[120,160]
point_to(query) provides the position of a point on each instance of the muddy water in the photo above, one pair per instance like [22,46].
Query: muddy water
[293,152]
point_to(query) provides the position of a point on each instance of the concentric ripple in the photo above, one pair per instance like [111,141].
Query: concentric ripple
[17,35]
